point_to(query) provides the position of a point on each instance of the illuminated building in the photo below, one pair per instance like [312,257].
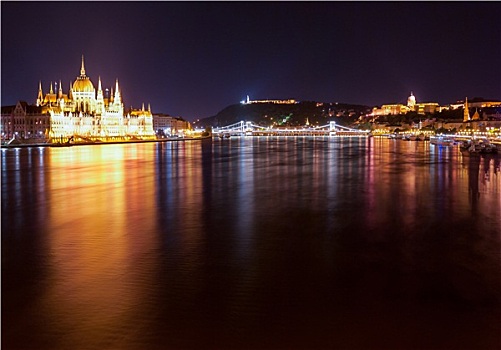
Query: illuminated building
[390,109]
[288,102]
[166,125]
[24,120]
[411,101]
[412,106]
[88,114]
[428,107]
[476,103]
[476,116]
[466,113]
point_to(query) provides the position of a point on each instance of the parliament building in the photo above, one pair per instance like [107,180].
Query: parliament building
[82,113]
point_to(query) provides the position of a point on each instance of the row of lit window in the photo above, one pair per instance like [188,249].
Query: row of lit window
[28,122]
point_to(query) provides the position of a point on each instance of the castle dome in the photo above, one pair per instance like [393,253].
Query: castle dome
[411,100]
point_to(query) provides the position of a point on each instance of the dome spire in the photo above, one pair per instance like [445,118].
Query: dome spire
[411,101]
[82,70]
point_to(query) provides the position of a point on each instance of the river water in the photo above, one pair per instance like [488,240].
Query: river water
[255,243]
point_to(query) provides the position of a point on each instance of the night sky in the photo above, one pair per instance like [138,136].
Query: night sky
[192,59]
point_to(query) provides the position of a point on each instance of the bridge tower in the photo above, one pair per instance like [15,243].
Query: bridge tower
[248,129]
[332,128]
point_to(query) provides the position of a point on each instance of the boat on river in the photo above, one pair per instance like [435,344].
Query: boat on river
[442,140]
[414,137]
[478,147]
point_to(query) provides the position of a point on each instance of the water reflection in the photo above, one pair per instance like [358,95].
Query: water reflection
[93,226]
[250,242]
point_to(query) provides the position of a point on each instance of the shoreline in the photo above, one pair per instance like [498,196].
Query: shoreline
[27,145]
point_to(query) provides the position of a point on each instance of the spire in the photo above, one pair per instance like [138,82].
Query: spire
[51,89]
[466,114]
[82,70]
[70,92]
[149,108]
[60,92]
[40,94]
[142,108]
[100,97]
[117,98]
[99,87]
[476,116]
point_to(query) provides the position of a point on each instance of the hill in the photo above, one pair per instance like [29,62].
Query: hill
[297,114]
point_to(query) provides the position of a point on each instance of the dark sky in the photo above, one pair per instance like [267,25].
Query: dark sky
[192,59]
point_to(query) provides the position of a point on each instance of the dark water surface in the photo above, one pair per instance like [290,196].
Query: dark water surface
[255,243]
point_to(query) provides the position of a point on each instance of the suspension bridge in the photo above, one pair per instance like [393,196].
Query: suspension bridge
[249,129]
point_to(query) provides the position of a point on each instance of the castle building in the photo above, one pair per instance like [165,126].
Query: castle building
[84,112]
[412,106]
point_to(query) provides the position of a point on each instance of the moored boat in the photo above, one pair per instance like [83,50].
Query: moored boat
[225,135]
[477,147]
[441,140]
[414,137]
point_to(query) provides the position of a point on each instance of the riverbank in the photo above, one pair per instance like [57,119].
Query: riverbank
[87,143]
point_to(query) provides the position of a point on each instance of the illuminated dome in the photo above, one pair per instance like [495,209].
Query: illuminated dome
[411,101]
[83,83]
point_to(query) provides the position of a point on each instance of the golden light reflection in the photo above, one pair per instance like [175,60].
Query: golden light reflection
[100,223]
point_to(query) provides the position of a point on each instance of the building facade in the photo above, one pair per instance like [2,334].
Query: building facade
[412,106]
[166,125]
[24,121]
[84,112]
